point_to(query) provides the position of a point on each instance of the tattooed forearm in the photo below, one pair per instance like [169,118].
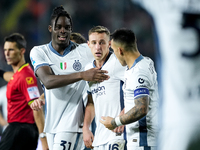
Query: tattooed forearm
[137,112]
[113,123]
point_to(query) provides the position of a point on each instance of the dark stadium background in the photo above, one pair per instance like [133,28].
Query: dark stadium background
[31,18]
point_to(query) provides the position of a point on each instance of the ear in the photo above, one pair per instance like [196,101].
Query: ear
[109,44]
[50,28]
[121,52]
[88,42]
[23,50]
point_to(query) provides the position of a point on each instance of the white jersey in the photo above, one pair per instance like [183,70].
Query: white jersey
[108,98]
[178,31]
[178,34]
[64,105]
[141,80]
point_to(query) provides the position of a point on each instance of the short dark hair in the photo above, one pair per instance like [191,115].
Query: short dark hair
[125,37]
[99,29]
[60,11]
[77,37]
[18,38]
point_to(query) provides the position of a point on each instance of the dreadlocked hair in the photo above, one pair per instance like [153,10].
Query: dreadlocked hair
[60,11]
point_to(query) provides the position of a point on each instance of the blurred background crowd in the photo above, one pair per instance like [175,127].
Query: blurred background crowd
[32,17]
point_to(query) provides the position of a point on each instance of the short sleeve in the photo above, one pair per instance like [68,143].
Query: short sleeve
[37,57]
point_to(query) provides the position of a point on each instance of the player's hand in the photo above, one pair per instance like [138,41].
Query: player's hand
[95,74]
[44,143]
[119,130]
[107,122]
[37,104]
[88,138]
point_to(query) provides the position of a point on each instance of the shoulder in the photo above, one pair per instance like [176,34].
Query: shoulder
[26,71]
[39,48]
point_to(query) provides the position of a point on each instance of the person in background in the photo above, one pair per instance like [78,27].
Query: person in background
[21,132]
[77,38]
[177,32]
[60,67]
[140,93]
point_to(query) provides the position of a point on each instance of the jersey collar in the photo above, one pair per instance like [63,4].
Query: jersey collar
[105,60]
[66,51]
[136,61]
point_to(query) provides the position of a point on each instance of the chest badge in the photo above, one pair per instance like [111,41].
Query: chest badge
[77,65]
[63,65]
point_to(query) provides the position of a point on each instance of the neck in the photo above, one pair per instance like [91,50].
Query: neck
[18,65]
[99,63]
[131,57]
[60,47]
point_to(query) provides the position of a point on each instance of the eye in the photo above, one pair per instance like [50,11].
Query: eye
[102,42]
[93,42]
[57,27]
[68,27]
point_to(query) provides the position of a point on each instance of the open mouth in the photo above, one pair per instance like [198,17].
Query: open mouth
[98,54]
[62,38]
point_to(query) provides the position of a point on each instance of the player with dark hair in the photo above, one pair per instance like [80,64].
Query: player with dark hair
[60,67]
[22,132]
[140,93]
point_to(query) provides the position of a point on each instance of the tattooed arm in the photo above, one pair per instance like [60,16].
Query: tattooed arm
[136,113]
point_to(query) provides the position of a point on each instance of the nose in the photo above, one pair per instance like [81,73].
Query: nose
[63,30]
[6,52]
[97,46]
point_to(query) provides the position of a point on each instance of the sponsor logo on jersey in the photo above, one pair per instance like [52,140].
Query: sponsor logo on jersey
[33,92]
[77,65]
[29,80]
[63,65]
[99,91]
[140,80]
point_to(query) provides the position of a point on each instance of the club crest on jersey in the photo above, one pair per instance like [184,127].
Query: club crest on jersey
[63,65]
[77,65]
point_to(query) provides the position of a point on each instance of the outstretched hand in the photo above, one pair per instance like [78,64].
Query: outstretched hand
[95,74]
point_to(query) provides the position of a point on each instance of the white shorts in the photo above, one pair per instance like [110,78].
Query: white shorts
[112,145]
[65,141]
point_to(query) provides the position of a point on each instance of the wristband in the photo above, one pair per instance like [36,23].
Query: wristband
[1,73]
[118,122]
[30,102]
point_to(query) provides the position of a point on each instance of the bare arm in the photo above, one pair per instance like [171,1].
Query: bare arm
[3,122]
[88,137]
[137,112]
[39,119]
[50,80]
